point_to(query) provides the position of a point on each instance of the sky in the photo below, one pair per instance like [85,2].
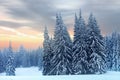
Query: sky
[22,21]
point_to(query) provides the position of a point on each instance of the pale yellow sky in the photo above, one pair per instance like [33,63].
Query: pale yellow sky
[20,36]
[26,36]
[23,21]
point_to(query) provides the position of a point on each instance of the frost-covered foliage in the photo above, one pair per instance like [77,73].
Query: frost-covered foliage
[10,65]
[21,58]
[108,51]
[88,47]
[95,48]
[89,53]
[80,63]
[40,58]
[62,59]
[28,58]
[86,54]
[113,51]
[1,62]
[115,55]
[48,54]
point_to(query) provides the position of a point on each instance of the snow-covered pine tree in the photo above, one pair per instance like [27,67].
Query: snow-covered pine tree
[50,55]
[79,47]
[95,49]
[37,54]
[1,62]
[20,55]
[5,57]
[62,59]
[10,66]
[115,60]
[76,29]
[47,53]
[40,58]
[33,57]
[112,51]
[109,51]
[26,59]
[23,57]
[118,61]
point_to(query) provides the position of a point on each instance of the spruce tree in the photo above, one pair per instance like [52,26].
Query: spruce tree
[40,58]
[112,51]
[20,56]
[79,47]
[116,53]
[62,59]
[5,57]
[118,49]
[24,57]
[1,62]
[95,49]
[47,53]
[10,66]
[109,51]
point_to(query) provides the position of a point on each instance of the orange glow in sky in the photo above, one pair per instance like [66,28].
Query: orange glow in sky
[26,36]
[22,22]
[31,39]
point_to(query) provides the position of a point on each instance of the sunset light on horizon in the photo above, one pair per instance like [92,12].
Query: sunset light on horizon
[23,21]
[31,39]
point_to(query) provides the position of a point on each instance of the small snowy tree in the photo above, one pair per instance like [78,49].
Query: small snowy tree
[109,51]
[10,66]
[5,57]
[24,57]
[19,56]
[116,52]
[112,51]
[1,63]
[118,61]
[40,58]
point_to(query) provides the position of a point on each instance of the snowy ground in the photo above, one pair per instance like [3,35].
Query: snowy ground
[32,71]
[33,74]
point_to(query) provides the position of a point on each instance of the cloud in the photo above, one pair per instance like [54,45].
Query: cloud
[41,12]
[69,5]
[106,12]
[17,33]
[10,24]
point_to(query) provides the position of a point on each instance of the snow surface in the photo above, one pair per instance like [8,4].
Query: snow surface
[32,71]
[33,74]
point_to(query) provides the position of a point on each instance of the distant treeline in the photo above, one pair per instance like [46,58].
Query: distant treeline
[9,60]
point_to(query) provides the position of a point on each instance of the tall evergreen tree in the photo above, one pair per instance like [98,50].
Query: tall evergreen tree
[47,53]
[95,49]
[10,66]
[62,59]
[50,55]
[79,52]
